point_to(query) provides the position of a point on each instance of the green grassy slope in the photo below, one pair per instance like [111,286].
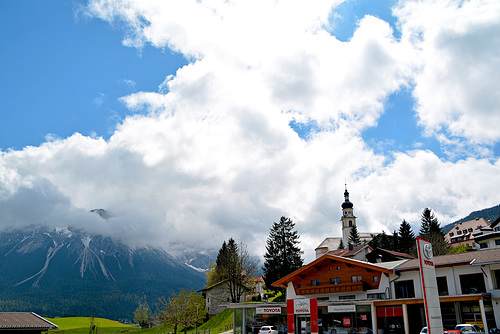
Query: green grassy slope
[81,325]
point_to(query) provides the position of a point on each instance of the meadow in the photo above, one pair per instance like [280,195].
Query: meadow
[81,325]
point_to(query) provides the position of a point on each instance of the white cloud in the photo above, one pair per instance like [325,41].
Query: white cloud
[212,155]
[457,43]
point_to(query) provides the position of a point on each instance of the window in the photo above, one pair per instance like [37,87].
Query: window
[459,232]
[347,297]
[497,228]
[404,289]
[315,283]
[442,285]
[360,278]
[472,283]
[497,242]
[464,231]
[452,234]
[338,267]
[375,278]
[470,230]
[376,296]
[350,223]
[335,280]
[483,245]
[496,279]
[353,279]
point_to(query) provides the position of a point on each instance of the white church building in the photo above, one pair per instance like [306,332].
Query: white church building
[348,220]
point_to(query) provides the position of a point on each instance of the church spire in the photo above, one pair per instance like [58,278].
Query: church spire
[347,204]
[348,219]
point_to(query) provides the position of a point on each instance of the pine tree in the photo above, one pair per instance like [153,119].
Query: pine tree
[430,223]
[354,238]
[341,244]
[406,238]
[283,254]
[395,241]
[431,231]
[233,266]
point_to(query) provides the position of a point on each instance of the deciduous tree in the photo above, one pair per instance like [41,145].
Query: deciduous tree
[141,315]
[183,310]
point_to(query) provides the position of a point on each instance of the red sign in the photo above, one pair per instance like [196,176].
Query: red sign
[363,317]
[346,321]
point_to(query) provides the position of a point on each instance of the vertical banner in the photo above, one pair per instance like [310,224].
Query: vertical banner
[290,316]
[429,287]
[314,316]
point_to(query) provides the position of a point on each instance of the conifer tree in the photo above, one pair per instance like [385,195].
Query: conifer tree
[233,266]
[395,241]
[431,231]
[354,238]
[406,238]
[341,244]
[283,254]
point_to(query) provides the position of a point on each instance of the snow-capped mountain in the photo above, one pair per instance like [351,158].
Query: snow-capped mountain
[58,272]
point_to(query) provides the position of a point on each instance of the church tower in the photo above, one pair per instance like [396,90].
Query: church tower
[348,219]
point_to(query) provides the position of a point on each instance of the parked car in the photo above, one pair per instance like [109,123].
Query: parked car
[449,331]
[468,328]
[268,330]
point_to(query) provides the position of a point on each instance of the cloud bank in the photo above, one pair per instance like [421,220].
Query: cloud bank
[211,154]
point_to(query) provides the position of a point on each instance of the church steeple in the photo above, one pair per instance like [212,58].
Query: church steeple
[347,204]
[348,219]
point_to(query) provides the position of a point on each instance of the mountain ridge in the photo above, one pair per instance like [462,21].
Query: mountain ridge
[65,271]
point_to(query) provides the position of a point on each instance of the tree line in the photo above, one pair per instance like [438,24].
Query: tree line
[404,239]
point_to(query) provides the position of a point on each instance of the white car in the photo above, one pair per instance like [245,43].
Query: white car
[268,330]
[468,328]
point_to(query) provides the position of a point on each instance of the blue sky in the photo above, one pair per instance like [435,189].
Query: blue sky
[75,69]
[190,111]
[64,73]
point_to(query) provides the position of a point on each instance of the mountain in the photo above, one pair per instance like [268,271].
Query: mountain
[63,272]
[490,214]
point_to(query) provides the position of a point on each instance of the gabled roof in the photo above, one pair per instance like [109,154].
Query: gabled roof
[24,320]
[327,259]
[349,252]
[393,253]
[495,223]
[482,257]
[213,286]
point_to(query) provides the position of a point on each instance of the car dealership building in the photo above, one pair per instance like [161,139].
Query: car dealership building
[334,294]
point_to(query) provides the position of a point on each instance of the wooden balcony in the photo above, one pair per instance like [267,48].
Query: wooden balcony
[331,288]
